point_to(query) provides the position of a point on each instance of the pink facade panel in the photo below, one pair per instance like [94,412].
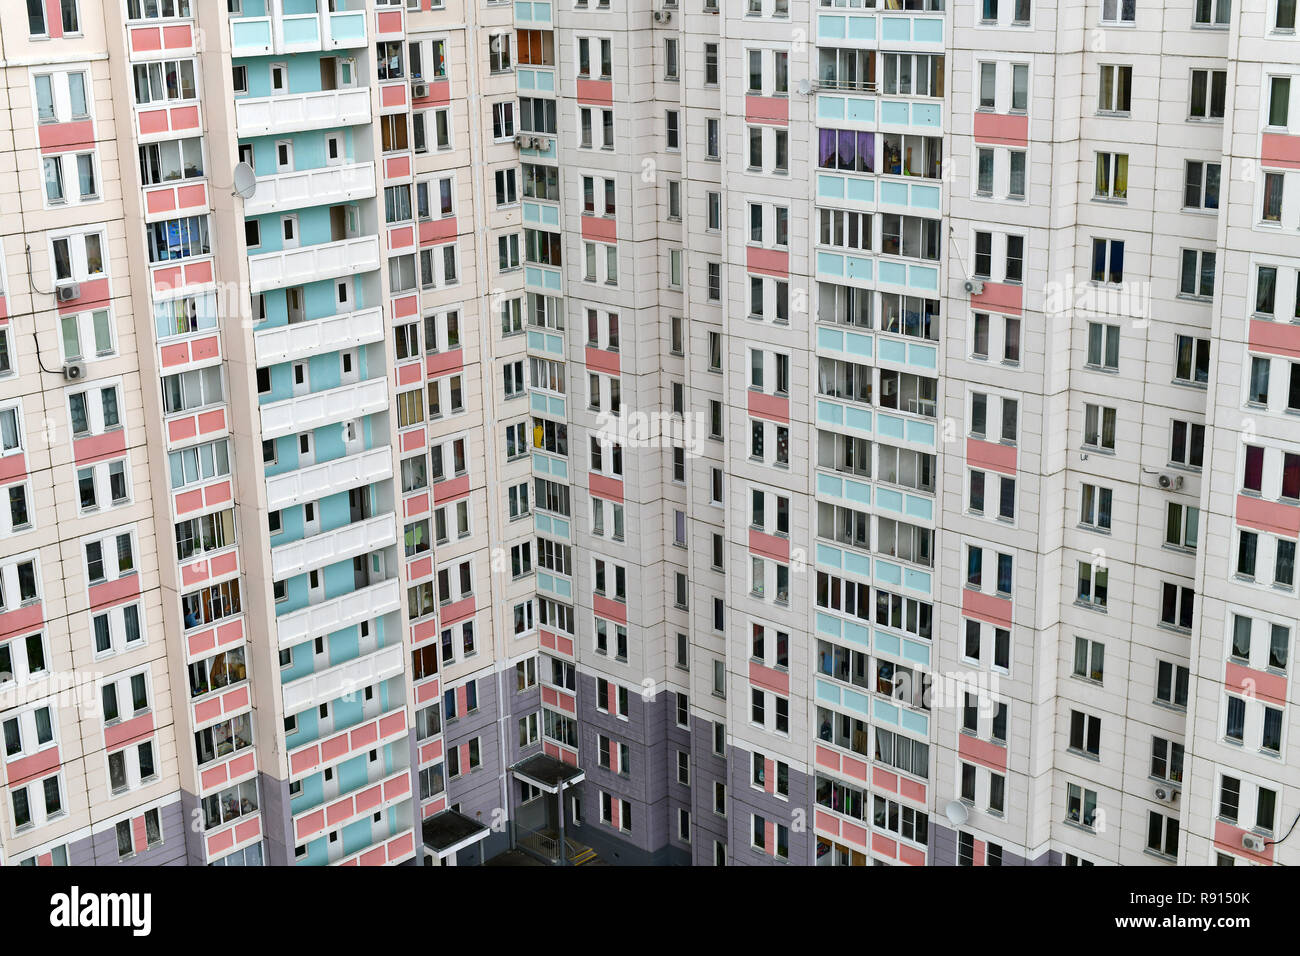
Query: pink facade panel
[767,110]
[1005,297]
[1001,129]
[986,607]
[1280,150]
[993,456]
[1271,516]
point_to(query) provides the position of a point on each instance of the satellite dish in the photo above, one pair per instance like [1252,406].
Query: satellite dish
[956,812]
[805,87]
[245,181]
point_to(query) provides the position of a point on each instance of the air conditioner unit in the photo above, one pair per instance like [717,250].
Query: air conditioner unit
[419,90]
[973,287]
[1166,794]
[1252,842]
[67,292]
[522,141]
[663,16]
[74,371]
[1169,482]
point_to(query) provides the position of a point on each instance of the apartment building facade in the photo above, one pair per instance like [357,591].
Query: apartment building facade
[785,432]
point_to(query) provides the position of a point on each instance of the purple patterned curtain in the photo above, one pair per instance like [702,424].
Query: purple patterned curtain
[848,140]
[867,152]
[826,148]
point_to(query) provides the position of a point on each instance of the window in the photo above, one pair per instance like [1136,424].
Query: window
[1108,260]
[671,132]
[498,53]
[1162,834]
[1166,760]
[1016,183]
[1112,176]
[178,239]
[839,69]
[1118,11]
[1085,733]
[1099,427]
[79,257]
[1103,346]
[1089,659]
[1191,360]
[1187,444]
[1201,185]
[1115,89]
[1093,584]
[1272,211]
[1212,13]
[1080,805]
[1197,277]
[503,120]
[163,81]
[86,336]
[1209,93]
[1171,684]
[1177,602]
[1095,507]
[1279,92]
[908,74]
[1284,20]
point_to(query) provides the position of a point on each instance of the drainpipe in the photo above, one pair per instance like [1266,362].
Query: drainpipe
[559,799]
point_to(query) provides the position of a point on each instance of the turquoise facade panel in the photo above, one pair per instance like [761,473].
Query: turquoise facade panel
[828,556]
[830,187]
[856,563]
[896,29]
[861,190]
[828,263]
[857,344]
[830,108]
[858,418]
[894,273]
[862,28]
[830,27]
[927,29]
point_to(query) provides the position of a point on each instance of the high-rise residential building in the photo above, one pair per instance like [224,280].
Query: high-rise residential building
[810,432]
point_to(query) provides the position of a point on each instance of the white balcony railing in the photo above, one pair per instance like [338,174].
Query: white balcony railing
[316,409]
[297,33]
[328,478]
[331,547]
[298,112]
[323,186]
[334,333]
[363,604]
[325,260]
[347,678]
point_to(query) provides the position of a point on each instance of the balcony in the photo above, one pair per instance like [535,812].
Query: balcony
[374,731]
[331,547]
[326,260]
[348,808]
[298,112]
[346,678]
[328,478]
[325,186]
[363,604]
[298,33]
[391,853]
[334,333]
[305,412]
